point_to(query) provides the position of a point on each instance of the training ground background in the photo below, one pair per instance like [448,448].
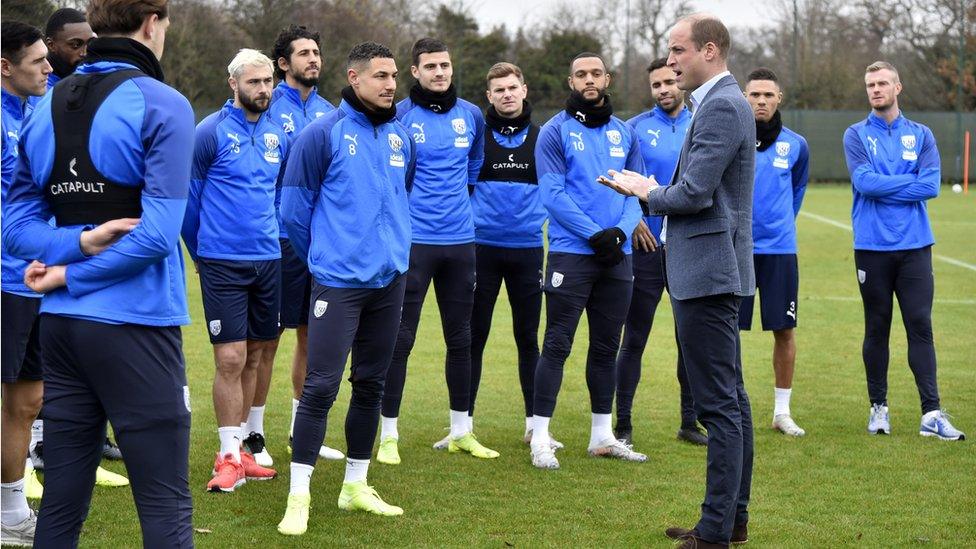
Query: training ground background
[837,486]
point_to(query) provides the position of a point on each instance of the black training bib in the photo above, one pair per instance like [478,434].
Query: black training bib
[76,191]
[515,165]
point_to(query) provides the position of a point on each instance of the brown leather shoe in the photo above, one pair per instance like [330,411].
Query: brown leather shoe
[740,533]
[695,542]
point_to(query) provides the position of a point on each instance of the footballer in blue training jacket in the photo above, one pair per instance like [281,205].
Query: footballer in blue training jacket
[231,232]
[129,168]
[448,132]
[508,219]
[661,132]
[295,103]
[589,266]
[895,169]
[25,70]
[782,167]
[345,191]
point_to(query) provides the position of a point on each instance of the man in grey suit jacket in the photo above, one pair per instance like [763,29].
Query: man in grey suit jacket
[708,264]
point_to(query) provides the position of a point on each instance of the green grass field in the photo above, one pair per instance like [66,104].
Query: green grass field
[837,486]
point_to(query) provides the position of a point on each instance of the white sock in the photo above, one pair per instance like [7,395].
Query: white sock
[782,401]
[470,423]
[356,470]
[230,441]
[540,430]
[13,502]
[255,420]
[301,478]
[294,410]
[459,424]
[600,429]
[388,428]
[528,423]
[37,432]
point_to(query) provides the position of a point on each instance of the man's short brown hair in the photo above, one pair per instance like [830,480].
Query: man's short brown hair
[108,17]
[705,29]
[503,69]
[882,65]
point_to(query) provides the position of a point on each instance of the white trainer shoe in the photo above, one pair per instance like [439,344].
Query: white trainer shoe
[556,445]
[330,453]
[544,457]
[443,443]
[785,424]
[613,448]
[878,420]
[936,424]
[21,534]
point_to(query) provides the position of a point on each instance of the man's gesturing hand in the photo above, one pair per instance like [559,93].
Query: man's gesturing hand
[95,241]
[629,183]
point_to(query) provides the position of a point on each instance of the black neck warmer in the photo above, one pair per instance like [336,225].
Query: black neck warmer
[438,102]
[376,117]
[59,67]
[767,132]
[587,112]
[125,50]
[509,126]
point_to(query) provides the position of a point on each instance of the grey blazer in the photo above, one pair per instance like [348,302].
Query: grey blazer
[709,201]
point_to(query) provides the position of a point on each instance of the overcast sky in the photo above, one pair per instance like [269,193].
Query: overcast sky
[516,13]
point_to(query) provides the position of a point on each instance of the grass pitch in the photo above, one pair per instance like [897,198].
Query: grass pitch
[837,486]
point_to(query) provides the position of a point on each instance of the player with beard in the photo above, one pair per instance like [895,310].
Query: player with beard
[589,266]
[448,132]
[66,34]
[346,184]
[231,233]
[895,169]
[661,131]
[294,103]
[508,219]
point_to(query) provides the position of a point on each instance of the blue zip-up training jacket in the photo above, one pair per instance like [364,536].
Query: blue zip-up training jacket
[15,111]
[894,170]
[782,171]
[569,157]
[292,114]
[140,137]
[450,151]
[660,139]
[344,199]
[508,214]
[230,213]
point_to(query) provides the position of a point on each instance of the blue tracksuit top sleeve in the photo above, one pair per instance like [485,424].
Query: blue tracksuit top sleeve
[550,161]
[27,231]
[632,209]
[928,174]
[476,157]
[865,178]
[204,151]
[167,123]
[894,170]
[308,164]
[801,175]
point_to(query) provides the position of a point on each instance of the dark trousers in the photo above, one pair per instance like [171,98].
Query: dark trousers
[908,275]
[135,377]
[452,269]
[521,270]
[340,319]
[575,283]
[708,333]
[648,288]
